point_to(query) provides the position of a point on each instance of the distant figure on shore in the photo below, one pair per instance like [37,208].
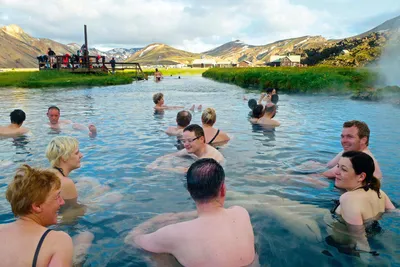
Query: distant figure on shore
[264,116]
[195,147]
[212,135]
[35,199]
[183,119]
[53,113]
[51,55]
[354,137]
[214,235]
[14,129]
[158,99]
[112,62]
[157,75]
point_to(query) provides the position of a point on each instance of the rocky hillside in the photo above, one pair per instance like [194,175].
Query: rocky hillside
[19,50]
[161,54]
[237,51]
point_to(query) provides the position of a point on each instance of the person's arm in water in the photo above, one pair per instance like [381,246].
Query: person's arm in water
[91,128]
[333,166]
[162,239]
[155,165]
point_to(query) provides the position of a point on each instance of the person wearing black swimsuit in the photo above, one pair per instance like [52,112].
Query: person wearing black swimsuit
[213,136]
[34,196]
[364,201]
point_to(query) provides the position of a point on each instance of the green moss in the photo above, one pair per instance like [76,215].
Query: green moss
[41,79]
[287,79]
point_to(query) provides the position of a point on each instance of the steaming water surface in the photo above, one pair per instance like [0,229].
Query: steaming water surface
[268,172]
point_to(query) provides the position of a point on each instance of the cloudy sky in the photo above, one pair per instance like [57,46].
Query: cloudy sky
[193,25]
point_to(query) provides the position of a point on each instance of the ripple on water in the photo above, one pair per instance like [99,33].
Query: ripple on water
[267,171]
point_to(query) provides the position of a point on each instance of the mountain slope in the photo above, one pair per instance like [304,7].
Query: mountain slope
[19,49]
[391,25]
[161,54]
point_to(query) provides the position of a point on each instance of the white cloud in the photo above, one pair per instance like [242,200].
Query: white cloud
[189,24]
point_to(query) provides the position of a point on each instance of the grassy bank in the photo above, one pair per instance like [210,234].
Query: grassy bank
[40,79]
[177,71]
[287,79]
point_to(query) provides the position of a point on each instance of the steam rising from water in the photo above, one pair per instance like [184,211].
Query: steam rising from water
[389,63]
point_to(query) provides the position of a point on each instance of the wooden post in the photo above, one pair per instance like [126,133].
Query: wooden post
[86,55]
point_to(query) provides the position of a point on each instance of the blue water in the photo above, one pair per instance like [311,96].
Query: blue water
[268,172]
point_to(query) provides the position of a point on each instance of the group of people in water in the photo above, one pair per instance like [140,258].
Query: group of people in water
[210,236]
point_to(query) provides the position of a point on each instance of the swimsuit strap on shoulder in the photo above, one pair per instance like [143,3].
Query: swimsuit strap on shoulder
[39,246]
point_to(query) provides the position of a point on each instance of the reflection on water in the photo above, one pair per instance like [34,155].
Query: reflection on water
[268,170]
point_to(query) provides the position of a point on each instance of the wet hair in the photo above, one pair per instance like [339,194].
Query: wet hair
[252,103]
[209,116]
[156,69]
[269,90]
[157,97]
[258,111]
[17,116]
[30,186]
[183,118]
[53,107]
[274,99]
[363,163]
[61,147]
[204,179]
[198,131]
[362,127]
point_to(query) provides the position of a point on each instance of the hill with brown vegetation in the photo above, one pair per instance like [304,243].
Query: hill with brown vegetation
[19,49]
[162,54]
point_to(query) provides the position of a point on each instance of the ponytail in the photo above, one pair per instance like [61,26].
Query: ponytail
[375,185]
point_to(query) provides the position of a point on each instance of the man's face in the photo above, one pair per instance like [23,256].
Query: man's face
[53,115]
[191,142]
[350,139]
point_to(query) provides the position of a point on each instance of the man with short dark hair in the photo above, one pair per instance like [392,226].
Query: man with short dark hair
[53,113]
[354,137]
[17,118]
[195,146]
[217,237]
[183,119]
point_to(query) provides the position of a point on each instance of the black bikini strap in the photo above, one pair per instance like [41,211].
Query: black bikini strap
[215,136]
[60,170]
[39,246]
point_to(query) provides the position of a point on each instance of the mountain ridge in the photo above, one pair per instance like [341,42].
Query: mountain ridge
[21,49]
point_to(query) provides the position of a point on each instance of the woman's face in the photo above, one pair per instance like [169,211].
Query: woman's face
[74,160]
[51,206]
[345,176]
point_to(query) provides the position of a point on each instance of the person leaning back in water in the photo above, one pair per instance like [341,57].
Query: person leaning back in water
[158,99]
[217,237]
[53,113]
[355,136]
[195,146]
[35,198]
[15,128]
[183,119]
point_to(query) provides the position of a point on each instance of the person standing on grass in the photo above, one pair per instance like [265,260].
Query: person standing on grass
[112,62]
